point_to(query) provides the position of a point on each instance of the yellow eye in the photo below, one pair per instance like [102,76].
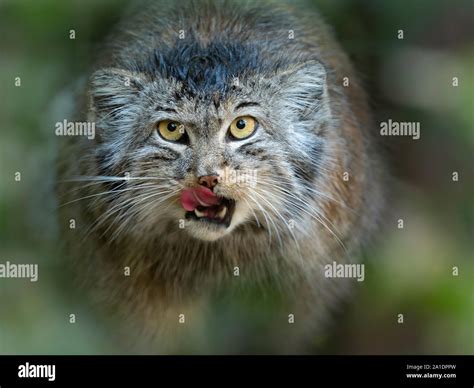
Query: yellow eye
[171,130]
[242,127]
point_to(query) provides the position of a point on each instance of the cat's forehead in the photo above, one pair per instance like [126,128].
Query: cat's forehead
[203,68]
[207,111]
[204,79]
[205,107]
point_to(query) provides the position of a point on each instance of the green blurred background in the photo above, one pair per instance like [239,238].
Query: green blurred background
[408,271]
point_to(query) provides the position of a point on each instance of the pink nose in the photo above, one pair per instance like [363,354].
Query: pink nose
[208,181]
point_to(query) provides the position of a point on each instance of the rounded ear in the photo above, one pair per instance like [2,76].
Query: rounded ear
[112,91]
[304,89]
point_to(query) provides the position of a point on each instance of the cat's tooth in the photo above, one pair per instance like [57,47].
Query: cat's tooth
[222,213]
[198,213]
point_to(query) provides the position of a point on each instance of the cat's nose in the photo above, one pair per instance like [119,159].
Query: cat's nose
[208,181]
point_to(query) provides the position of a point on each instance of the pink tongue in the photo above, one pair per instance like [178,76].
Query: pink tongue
[201,196]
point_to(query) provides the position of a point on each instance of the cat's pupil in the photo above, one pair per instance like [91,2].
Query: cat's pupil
[240,124]
[172,127]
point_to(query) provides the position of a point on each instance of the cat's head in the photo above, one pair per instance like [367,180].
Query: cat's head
[210,140]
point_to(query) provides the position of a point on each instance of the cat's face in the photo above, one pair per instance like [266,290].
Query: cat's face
[205,161]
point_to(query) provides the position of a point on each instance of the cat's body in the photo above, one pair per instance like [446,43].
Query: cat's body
[315,199]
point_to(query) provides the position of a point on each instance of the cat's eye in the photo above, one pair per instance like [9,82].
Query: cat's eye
[171,130]
[242,127]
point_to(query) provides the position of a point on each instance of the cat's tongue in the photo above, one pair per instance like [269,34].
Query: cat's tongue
[200,196]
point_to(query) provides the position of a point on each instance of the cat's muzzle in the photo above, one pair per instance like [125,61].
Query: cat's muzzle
[219,214]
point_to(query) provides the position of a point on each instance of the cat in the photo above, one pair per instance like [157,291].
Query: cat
[233,158]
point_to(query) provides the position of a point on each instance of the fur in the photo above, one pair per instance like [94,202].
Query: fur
[235,59]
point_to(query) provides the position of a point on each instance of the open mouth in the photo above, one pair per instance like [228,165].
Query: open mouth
[204,205]
[220,213]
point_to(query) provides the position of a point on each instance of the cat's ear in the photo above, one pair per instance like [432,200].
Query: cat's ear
[112,94]
[303,91]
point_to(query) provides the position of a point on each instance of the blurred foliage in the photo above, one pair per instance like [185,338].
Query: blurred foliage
[408,272]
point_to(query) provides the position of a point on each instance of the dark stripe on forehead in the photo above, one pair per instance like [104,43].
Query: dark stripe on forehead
[206,69]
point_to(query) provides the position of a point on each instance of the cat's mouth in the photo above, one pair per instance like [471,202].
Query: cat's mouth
[219,214]
[202,204]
